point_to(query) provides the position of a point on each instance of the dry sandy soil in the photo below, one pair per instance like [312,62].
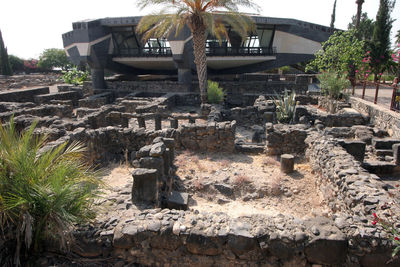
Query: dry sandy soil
[248,184]
[236,184]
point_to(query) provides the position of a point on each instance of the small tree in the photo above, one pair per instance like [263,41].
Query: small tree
[43,193]
[341,53]
[5,68]
[365,28]
[333,16]
[16,63]
[203,18]
[380,43]
[53,58]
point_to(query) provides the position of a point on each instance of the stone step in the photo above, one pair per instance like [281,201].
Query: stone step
[68,95]
[250,148]
[384,152]
[379,167]
[384,143]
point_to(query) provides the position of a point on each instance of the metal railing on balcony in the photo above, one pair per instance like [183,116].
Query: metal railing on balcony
[211,51]
[144,52]
[240,51]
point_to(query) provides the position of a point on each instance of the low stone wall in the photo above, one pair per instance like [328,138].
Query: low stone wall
[285,139]
[381,117]
[346,117]
[22,95]
[113,143]
[358,191]
[210,137]
[190,238]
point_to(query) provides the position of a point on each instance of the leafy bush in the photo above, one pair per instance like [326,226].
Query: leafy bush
[332,84]
[54,58]
[285,107]
[75,76]
[16,63]
[215,93]
[43,193]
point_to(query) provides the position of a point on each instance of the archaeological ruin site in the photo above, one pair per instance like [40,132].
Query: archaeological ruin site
[222,185]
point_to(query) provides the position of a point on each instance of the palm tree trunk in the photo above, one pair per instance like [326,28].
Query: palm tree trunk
[359,10]
[200,59]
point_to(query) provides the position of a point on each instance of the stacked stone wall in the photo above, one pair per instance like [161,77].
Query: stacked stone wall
[381,117]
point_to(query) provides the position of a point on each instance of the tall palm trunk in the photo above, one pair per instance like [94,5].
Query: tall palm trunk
[200,59]
[359,10]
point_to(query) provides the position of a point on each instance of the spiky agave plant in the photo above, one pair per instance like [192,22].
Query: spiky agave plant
[285,107]
[43,193]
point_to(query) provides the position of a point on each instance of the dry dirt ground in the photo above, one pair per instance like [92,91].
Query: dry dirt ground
[240,185]
[236,184]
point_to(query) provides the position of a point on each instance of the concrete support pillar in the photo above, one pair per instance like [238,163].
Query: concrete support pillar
[157,122]
[141,122]
[185,76]
[98,79]
[174,123]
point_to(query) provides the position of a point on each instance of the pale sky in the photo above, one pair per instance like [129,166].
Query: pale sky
[29,27]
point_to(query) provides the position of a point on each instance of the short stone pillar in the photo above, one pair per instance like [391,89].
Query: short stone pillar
[287,163]
[174,123]
[157,122]
[269,116]
[145,186]
[141,122]
[192,120]
[396,154]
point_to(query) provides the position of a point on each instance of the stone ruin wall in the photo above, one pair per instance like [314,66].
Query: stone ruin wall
[175,237]
[162,237]
[381,117]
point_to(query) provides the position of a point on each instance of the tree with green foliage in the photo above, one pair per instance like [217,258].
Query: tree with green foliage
[397,37]
[365,28]
[203,18]
[359,12]
[333,16]
[43,193]
[380,43]
[54,58]
[5,68]
[16,63]
[342,53]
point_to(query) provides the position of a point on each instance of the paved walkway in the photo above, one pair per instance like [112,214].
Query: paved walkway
[384,94]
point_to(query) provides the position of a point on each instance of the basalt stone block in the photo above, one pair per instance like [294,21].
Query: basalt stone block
[287,163]
[157,150]
[178,201]
[145,185]
[386,143]
[327,252]
[144,151]
[203,245]
[355,148]
[152,163]
[379,167]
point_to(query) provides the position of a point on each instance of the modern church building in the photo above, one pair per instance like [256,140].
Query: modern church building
[113,44]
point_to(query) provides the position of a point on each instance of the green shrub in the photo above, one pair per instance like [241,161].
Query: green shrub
[332,84]
[285,107]
[43,193]
[75,76]
[215,93]
[16,63]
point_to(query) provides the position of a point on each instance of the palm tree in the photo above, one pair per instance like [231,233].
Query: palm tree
[203,17]
[359,11]
[43,193]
